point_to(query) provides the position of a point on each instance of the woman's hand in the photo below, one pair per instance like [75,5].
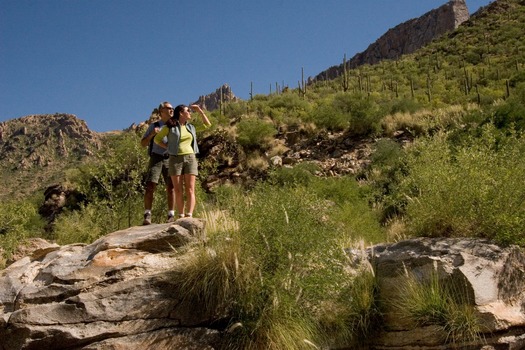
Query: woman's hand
[196,108]
[205,119]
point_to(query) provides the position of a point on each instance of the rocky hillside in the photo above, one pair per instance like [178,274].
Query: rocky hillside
[406,37]
[36,149]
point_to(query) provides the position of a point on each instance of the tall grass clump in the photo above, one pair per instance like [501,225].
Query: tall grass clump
[441,302]
[344,199]
[88,223]
[471,188]
[281,275]
[349,209]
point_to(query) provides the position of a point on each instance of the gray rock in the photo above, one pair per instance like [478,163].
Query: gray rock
[116,293]
[491,278]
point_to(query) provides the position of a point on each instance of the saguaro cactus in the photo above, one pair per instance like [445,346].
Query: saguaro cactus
[345,75]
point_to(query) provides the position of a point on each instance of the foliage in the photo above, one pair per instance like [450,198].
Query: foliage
[113,186]
[255,134]
[19,219]
[445,303]
[280,272]
[299,175]
[383,176]
[474,189]
[511,113]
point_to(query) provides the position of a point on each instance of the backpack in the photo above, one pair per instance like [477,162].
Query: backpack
[150,147]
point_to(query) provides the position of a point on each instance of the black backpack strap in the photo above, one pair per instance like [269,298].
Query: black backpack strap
[150,148]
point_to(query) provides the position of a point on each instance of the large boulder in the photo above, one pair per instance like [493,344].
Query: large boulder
[490,278]
[116,293]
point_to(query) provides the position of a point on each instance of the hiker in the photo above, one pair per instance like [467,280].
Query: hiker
[158,165]
[182,149]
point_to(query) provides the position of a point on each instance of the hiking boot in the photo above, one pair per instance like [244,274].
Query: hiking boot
[171,218]
[147,219]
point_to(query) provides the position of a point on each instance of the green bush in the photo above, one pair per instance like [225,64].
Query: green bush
[473,189]
[236,110]
[19,219]
[326,117]
[362,112]
[81,226]
[255,134]
[382,178]
[300,175]
[281,274]
[115,183]
[349,209]
[512,112]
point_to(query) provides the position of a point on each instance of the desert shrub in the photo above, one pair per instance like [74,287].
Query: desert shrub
[277,270]
[345,199]
[405,105]
[82,226]
[113,184]
[472,189]
[288,102]
[235,110]
[382,178]
[349,208]
[326,117]
[362,111]
[511,113]
[255,133]
[19,219]
[300,175]
[517,79]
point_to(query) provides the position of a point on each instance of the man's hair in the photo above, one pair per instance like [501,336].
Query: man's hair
[162,105]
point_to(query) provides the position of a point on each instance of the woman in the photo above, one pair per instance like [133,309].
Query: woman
[182,148]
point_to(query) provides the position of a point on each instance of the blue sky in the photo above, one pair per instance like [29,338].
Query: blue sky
[110,62]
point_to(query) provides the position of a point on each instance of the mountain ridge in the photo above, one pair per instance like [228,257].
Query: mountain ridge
[405,38]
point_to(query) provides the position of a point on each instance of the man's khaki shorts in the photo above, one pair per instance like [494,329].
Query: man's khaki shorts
[158,165]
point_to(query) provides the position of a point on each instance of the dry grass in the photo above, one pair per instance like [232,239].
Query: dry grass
[424,120]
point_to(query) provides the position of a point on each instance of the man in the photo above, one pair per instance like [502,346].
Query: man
[157,165]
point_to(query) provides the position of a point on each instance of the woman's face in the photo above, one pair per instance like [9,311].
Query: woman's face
[185,114]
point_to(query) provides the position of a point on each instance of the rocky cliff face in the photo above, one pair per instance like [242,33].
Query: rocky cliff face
[48,143]
[213,101]
[407,37]
[40,140]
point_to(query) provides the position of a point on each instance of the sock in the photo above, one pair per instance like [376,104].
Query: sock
[171,212]
[181,215]
[189,215]
[147,211]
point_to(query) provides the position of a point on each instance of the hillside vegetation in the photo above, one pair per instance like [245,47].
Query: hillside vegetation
[447,127]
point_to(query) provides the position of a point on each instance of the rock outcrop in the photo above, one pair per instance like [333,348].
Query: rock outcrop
[486,277]
[116,293]
[121,292]
[406,37]
[213,101]
[37,148]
